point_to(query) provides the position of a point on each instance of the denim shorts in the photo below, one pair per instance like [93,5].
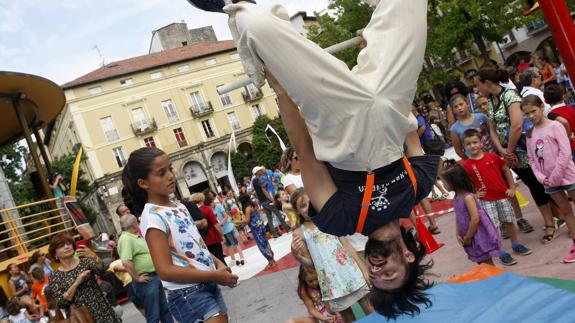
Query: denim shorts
[231,239]
[197,303]
[551,190]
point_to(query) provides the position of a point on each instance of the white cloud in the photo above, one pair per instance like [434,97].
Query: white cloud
[11,19]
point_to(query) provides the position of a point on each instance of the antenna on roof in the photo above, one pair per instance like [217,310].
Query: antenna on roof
[99,54]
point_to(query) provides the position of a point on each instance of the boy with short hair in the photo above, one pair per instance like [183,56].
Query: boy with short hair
[485,170]
[39,281]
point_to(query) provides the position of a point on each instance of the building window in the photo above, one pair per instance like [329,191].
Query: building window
[257,111]
[95,90]
[109,128]
[208,128]
[149,142]
[233,119]
[119,155]
[180,137]
[198,103]
[126,82]
[155,75]
[183,68]
[139,118]
[235,57]
[225,98]
[170,111]
[211,62]
[251,90]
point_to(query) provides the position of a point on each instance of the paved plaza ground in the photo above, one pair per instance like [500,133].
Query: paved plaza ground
[271,297]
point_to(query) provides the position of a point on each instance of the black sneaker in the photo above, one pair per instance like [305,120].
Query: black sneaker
[507,260]
[524,226]
[213,5]
[522,250]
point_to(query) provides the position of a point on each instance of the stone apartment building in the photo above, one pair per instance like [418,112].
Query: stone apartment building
[165,99]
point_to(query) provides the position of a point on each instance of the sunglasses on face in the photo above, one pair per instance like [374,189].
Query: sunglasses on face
[295,157]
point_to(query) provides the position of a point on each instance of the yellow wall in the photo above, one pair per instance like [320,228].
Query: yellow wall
[84,110]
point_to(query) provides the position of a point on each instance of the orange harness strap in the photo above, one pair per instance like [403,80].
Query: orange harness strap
[410,174]
[366,201]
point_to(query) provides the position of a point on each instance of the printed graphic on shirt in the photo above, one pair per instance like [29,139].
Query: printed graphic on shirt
[478,174]
[187,240]
[539,146]
[378,201]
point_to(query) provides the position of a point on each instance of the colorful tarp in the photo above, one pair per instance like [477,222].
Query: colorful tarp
[503,298]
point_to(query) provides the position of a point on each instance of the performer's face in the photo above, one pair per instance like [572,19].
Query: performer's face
[387,262]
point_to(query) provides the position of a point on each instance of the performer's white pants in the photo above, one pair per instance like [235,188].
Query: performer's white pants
[357,119]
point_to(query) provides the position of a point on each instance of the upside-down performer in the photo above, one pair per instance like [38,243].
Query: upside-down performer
[350,130]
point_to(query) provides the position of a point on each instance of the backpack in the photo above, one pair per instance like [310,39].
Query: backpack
[434,145]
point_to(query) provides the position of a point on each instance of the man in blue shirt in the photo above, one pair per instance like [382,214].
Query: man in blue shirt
[266,199]
[268,179]
[423,127]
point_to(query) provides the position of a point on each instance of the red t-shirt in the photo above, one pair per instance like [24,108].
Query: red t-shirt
[38,292]
[568,113]
[486,173]
[212,236]
[523,67]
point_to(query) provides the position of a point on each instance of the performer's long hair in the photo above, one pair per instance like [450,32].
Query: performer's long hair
[407,298]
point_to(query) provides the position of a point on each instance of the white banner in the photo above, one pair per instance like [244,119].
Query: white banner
[284,148]
[231,177]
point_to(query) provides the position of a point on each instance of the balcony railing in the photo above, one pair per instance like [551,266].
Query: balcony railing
[201,109]
[536,26]
[252,96]
[145,126]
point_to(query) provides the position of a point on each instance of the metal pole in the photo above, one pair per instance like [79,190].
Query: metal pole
[238,84]
[31,146]
[47,161]
[558,18]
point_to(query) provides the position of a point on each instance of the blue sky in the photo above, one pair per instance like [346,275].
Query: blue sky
[56,38]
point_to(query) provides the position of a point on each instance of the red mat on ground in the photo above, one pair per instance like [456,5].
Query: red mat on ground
[284,263]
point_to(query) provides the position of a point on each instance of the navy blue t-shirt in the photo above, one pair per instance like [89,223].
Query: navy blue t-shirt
[257,184]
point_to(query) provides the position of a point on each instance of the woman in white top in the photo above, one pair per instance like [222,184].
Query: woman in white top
[291,166]
[532,80]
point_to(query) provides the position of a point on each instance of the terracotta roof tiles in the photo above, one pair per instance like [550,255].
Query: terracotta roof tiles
[150,61]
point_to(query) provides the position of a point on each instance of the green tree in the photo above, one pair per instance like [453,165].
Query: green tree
[64,166]
[345,19]
[267,152]
[461,24]
[242,166]
[12,161]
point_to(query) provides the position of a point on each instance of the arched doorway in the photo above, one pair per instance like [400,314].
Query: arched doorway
[245,148]
[548,50]
[220,170]
[195,177]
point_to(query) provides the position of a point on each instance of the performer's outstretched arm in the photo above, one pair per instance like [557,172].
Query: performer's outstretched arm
[316,179]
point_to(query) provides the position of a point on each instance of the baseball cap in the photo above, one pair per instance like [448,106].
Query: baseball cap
[256,169]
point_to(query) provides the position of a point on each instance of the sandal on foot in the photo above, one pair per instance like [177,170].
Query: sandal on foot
[434,230]
[547,238]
